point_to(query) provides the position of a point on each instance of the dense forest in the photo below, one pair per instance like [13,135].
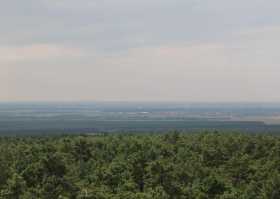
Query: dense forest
[150,166]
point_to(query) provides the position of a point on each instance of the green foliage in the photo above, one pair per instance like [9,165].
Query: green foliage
[168,166]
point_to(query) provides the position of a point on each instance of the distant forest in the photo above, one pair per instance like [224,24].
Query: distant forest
[141,166]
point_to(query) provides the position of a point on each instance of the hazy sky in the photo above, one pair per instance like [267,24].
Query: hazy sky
[154,50]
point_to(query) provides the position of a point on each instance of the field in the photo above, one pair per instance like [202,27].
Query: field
[64,118]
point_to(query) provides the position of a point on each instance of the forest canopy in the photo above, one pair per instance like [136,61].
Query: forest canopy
[150,166]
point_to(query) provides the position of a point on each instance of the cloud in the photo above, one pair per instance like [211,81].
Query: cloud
[111,25]
[195,50]
[36,52]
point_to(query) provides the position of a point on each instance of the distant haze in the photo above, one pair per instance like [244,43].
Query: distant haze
[140,50]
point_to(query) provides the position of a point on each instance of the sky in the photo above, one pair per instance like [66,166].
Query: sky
[140,50]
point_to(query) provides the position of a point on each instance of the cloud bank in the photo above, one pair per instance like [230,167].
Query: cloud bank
[140,50]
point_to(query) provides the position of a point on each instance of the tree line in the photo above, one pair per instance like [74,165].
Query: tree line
[134,166]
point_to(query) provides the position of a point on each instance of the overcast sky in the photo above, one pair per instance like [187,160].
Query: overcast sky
[140,50]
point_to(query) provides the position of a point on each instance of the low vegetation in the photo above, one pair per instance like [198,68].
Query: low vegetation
[166,166]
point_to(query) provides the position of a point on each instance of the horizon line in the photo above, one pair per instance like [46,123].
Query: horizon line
[140,101]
